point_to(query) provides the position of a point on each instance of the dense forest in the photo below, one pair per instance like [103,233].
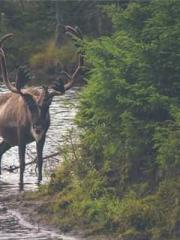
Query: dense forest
[39,40]
[122,176]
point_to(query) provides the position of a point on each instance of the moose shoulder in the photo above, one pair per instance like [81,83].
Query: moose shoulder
[24,113]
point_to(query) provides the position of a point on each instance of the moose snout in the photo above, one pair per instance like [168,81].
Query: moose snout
[38,131]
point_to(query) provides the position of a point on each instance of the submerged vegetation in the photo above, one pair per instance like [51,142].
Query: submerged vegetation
[123,178]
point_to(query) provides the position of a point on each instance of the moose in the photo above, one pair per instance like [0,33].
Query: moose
[24,112]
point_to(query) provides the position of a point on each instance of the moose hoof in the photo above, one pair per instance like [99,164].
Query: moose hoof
[39,181]
[21,187]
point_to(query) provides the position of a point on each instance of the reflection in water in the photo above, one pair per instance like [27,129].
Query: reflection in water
[12,226]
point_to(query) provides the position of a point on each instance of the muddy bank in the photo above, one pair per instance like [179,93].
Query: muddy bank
[33,212]
[37,213]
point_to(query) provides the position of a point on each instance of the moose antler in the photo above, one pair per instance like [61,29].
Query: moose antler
[23,75]
[3,65]
[8,35]
[75,32]
[58,86]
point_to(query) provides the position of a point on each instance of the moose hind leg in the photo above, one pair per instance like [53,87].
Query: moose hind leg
[4,146]
[22,150]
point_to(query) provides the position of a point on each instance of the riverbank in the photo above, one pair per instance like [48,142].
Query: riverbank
[33,211]
[36,210]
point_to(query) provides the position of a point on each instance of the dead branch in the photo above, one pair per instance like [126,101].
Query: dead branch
[13,168]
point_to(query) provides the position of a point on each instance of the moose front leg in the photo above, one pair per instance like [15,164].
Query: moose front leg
[22,150]
[39,147]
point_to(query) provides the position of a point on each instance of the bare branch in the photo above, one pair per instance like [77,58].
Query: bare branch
[13,168]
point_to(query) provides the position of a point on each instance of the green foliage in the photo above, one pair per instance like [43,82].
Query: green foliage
[130,95]
[37,25]
[155,216]
[31,22]
[168,149]
[125,178]
[88,204]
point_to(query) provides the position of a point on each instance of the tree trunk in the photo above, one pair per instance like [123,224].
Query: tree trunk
[59,38]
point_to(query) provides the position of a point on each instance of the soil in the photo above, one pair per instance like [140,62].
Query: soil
[36,212]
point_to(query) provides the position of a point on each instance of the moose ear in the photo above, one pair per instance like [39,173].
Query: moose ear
[58,85]
[23,76]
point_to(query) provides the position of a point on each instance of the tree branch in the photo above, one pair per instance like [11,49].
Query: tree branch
[13,168]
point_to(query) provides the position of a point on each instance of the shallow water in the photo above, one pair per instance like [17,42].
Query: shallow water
[12,225]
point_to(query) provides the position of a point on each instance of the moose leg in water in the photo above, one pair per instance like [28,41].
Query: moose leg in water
[39,147]
[4,146]
[22,151]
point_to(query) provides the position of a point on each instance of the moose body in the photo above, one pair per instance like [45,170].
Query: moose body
[18,127]
[24,113]
[15,117]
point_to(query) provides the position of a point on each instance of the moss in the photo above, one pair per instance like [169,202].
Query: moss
[77,205]
[132,234]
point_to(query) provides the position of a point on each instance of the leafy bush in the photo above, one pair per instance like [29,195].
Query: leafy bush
[125,180]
